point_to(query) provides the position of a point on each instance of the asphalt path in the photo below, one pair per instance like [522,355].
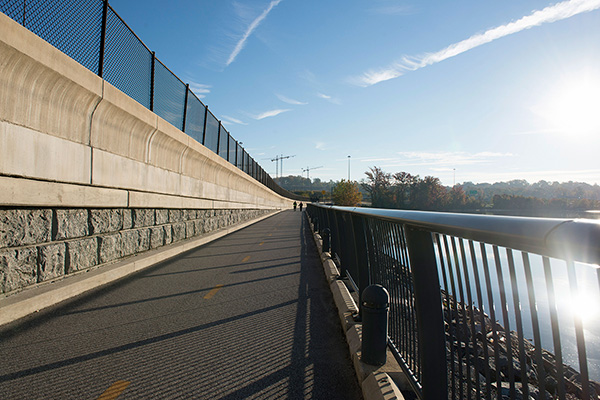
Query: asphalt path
[249,316]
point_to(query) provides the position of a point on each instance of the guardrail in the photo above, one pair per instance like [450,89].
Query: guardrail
[481,306]
[93,34]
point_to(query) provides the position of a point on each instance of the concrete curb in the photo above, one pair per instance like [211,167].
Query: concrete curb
[377,383]
[33,299]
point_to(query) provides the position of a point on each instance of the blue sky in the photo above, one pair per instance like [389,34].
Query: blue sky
[466,90]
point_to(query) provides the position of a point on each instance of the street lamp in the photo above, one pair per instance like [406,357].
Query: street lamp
[348,168]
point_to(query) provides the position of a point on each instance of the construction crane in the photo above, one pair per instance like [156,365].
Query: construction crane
[307,170]
[277,159]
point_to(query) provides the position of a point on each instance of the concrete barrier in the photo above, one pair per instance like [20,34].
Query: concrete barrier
[59,122]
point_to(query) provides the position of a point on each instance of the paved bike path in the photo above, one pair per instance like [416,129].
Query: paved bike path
[249,316]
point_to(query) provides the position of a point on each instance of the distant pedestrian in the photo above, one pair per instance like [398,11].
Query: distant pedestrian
[300,206]
[295,206]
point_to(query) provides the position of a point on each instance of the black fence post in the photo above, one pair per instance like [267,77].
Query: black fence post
[430,319]
[219,138]
[204,129]
[152,81]
[185,104]
[228,141]
[102,38]
[237,150]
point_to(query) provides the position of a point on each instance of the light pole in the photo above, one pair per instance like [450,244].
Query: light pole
[348,168]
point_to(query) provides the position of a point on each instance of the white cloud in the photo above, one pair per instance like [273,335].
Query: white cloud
[199,89]
[450,158]
[536,132]
[320,146]
[369,160]
[439,161]
[330,99]
[231,120]
[290,101]
[270,113]
[242,42]
[556,12]
[590,176]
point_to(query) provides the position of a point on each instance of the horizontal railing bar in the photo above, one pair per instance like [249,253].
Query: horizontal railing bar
[578,240]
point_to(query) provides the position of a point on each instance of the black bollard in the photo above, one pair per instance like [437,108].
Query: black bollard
[326,240]
[375,306]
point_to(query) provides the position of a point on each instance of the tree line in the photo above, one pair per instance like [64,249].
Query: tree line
[406,191]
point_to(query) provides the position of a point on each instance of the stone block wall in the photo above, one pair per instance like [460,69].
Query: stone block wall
[38,245]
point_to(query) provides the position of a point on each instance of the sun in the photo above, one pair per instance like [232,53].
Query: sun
[572,107]
[584,305]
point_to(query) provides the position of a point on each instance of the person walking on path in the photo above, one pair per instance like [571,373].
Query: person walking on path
[300,206]
[295,206]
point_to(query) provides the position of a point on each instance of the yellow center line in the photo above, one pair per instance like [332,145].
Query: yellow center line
[210,294]
[114,390]
[246,258]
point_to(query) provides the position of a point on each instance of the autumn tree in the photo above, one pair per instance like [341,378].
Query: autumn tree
[378,186]
[430,194]
[346,193]
[457,199]
[404,185]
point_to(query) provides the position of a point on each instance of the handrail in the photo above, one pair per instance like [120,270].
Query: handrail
[575,239]
[468,292]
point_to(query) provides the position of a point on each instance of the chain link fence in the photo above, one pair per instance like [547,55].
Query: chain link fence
[93,34]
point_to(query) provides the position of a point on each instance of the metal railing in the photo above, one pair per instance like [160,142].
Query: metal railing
[481,306]
[93,34]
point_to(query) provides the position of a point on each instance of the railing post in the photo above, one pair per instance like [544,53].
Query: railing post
[336,240]
[326,240]
[348,248]
[362,258]
[430,319]
[102,38]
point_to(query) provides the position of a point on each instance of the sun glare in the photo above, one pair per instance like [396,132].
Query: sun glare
[585,306]
[573,108]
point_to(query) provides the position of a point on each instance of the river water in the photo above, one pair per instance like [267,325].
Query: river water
[582,302]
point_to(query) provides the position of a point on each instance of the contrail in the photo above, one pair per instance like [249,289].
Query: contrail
[240,45]
[557,12]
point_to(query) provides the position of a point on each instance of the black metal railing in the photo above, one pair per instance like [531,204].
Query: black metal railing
[481,306]
[93,34]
